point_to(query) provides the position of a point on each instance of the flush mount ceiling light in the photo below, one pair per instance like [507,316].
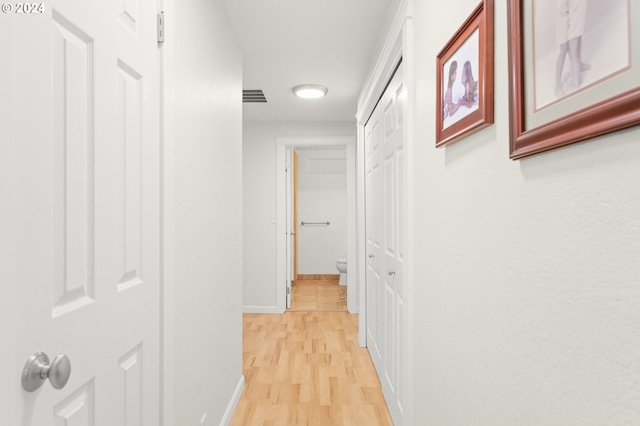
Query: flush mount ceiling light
[310,91]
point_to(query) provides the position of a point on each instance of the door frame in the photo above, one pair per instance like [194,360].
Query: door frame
[282,143]
[166,78]
[397,47]
[8,217]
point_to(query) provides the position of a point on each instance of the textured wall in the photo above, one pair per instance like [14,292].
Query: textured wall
[208,157]
[526,275]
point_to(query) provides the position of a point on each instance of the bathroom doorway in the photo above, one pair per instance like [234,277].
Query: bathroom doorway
[286,232]
[318,217]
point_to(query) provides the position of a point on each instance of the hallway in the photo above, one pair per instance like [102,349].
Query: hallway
[305,367]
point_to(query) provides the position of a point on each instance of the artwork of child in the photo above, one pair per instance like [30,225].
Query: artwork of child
[449,106]
[470,97]
[570,20]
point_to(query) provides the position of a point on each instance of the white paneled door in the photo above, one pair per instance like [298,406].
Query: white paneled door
[385,212]
[85,117]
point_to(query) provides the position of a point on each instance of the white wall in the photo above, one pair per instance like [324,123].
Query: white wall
[322,197]
[208,196]
[259,201]
[526,276]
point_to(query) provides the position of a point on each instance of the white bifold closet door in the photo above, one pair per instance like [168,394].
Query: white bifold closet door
[385,212]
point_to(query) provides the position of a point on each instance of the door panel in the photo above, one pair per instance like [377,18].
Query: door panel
[73,84]
[386,314]
[86,146]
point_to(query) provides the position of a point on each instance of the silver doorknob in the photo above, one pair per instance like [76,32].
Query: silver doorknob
[391,272]
[371,256]
[37,370]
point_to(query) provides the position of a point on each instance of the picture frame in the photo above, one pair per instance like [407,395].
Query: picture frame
[463,104]
[555,105]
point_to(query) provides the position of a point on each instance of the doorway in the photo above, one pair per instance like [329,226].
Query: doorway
[318,218]
[283,228]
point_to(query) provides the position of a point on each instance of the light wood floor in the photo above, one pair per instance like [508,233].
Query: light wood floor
[306,368]
[318,295]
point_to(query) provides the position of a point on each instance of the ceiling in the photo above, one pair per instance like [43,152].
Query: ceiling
[289,42]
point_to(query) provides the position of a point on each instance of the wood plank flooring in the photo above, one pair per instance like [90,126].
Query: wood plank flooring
[306,368]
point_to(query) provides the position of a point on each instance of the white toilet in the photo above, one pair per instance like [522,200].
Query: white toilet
[341,265]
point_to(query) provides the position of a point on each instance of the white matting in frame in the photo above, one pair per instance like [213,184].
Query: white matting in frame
[605,54]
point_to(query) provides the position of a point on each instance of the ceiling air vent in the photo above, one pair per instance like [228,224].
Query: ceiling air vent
[253,96]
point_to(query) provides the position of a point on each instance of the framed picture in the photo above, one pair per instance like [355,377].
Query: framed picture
[464,70]
[574,71]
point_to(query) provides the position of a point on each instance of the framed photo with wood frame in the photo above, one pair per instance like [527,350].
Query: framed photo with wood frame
[574,71]
[464,70]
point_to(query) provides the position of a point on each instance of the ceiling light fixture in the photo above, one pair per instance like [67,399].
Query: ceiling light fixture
[310,91]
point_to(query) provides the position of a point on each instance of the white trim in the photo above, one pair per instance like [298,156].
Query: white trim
[392,51]
[235,398]
[261,310]
[282,143]
[408,220]
[167,220]
[361,243]
[281,228]
[398,46]
[315,141]
[11,234]
[352,282]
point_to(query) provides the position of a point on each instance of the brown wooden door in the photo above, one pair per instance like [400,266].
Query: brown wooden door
[295,215]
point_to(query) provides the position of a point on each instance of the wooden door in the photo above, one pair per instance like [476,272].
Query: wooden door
[387,322]
[291,237]
[86,164]
[295,215]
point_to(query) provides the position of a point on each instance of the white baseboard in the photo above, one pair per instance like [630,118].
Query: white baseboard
[233,403]
[261,310]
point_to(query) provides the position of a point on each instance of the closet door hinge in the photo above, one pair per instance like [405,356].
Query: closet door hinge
[160,27]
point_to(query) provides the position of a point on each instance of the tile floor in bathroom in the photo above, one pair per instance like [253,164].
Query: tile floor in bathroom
[324,295]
